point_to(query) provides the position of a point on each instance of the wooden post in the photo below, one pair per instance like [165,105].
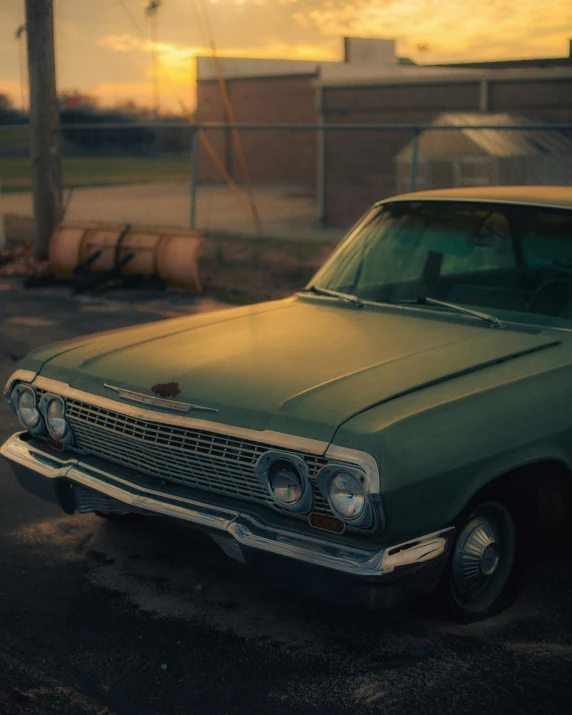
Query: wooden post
[45,151]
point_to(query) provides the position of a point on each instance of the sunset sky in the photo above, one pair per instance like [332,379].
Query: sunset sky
[104,50]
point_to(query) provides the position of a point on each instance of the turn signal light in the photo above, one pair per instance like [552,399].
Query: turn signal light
[328,523]
[51,442]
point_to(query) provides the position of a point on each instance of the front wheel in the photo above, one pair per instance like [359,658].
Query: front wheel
[482,575]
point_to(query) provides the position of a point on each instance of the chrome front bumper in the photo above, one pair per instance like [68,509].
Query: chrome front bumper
[45,469]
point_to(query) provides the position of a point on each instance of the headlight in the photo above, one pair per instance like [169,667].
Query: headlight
[347,495]
[54,410]
[285,477]
[56,420]
[285,482]
[346,488]
[27,408]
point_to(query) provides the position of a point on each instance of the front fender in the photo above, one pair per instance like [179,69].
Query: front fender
[436,450]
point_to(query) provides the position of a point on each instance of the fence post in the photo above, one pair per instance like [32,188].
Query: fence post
[2,229]
[321,189]
[194,175]
[414,159]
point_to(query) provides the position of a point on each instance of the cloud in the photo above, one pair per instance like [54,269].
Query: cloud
[467,29]
[121,43]
[114,92]
[173,52]
[98,45]
[283,50]
[12,89]
[176,64]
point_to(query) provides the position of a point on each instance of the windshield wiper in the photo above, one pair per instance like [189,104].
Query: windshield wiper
[462,309]
[426,300]
[346,297]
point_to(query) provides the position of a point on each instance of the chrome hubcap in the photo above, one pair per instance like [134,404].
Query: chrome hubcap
[490,560]
[476,556]
[483,557]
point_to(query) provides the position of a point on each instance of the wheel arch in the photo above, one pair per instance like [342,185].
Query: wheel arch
[539,491]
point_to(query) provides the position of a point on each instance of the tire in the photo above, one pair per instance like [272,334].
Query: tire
[482,577]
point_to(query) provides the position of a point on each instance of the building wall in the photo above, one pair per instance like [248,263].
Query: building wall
[549,100]
[360,166]
[210,108]
[274,155]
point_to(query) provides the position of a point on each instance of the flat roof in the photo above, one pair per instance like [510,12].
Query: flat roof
[553,196]
[501,142]
[432,74]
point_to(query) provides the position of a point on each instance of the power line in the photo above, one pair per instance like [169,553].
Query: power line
[230,116]
[200,132]
[131,17]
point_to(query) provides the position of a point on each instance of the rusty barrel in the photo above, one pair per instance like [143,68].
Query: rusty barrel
[172,254]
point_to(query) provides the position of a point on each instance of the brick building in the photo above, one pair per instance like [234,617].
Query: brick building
[359,167]
[284,156]
[350,170]
[276,91]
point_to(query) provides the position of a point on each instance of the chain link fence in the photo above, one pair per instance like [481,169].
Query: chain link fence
[307,180]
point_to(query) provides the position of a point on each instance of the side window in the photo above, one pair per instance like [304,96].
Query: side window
[547,240]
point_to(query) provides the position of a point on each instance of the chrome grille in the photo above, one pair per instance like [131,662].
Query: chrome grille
[193,457]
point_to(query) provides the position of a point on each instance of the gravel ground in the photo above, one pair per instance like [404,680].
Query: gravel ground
[285,211]
[154,620]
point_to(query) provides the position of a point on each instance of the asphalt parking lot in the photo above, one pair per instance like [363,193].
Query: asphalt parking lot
[154,620]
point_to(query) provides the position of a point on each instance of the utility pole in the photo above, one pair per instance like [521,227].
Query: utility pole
[45,151]
[151,11]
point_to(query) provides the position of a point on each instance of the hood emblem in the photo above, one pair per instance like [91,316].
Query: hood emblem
[170,389]
[167,389]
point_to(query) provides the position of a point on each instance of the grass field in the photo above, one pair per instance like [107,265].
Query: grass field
[98,171]
[13,139]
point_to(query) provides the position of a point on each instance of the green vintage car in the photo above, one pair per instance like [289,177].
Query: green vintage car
[400,427]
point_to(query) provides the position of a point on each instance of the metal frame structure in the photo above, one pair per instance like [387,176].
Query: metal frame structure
[321,179]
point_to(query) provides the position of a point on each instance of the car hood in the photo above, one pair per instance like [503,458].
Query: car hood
[299,366]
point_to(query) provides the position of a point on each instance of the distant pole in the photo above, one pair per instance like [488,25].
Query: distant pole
[151,11]
[19,32]
[45,151]
[2,228]
[414,161]
[321,177]
[194,176]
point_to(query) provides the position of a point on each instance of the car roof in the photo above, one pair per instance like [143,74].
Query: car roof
[549,196]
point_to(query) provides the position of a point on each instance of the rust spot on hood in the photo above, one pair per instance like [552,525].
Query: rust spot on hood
[166,389]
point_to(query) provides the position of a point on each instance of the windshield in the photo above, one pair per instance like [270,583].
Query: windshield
[514,262]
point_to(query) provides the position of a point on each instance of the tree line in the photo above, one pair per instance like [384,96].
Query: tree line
[104,140]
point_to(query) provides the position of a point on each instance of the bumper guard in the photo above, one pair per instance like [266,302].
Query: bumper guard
[39,470]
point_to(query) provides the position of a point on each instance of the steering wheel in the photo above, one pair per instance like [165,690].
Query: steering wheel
[552,283]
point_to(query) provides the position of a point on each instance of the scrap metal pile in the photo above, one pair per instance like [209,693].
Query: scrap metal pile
[22,262]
